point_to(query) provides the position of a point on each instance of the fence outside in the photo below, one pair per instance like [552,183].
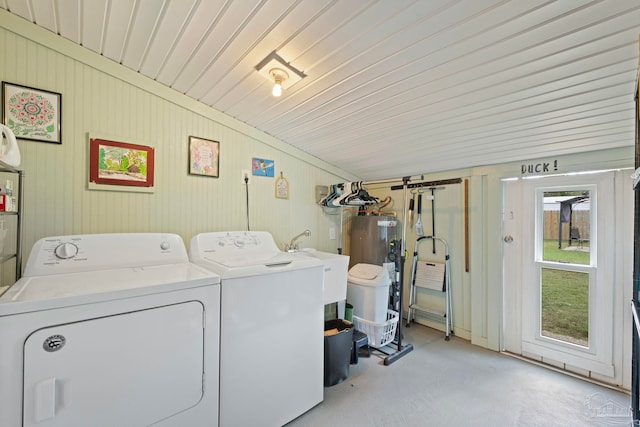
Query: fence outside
[581,220]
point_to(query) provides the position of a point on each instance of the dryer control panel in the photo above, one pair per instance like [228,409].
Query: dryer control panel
[87,252]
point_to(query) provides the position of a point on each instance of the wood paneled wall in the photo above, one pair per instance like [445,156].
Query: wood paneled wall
[101,98]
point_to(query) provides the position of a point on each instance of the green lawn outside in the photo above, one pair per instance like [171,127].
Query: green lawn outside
[565,297]
[552,253]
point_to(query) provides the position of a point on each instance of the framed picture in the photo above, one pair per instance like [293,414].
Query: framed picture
[282,187]
[262,167]
[119,163]
[204,157]
[32,113]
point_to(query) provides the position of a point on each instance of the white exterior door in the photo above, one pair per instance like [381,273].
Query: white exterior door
[563,284]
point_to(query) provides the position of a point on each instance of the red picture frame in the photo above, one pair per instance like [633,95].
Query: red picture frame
[120,163]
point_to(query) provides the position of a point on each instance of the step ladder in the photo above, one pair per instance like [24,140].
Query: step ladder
[434,277]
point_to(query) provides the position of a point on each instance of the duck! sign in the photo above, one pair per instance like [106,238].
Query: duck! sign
[538,168]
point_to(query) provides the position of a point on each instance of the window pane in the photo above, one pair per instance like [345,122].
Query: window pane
[566,227]
[565,306]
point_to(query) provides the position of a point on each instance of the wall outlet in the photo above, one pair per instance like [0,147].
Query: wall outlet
[332,233]
[246,174]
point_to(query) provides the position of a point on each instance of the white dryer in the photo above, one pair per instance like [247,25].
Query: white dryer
[107,330]
[271,330]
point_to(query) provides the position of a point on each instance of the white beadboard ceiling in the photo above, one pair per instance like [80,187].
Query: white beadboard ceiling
[394,87]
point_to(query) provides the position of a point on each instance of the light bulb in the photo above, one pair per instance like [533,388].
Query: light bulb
[277,89]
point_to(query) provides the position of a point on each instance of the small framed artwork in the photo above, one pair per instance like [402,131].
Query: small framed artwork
[262,167]
[204,157]
[282,187]
[120,164]
[31,113]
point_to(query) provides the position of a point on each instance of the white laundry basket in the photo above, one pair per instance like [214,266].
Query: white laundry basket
[368,291]
[379,333]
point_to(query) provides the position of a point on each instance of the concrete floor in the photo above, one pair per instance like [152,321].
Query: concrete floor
[453,383]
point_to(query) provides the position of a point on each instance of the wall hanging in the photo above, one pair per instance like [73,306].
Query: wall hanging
[262,167]
[120,164]
[282,187]
[31,113]
[204,157]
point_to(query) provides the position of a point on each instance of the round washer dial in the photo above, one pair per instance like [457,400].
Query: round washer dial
[66,250]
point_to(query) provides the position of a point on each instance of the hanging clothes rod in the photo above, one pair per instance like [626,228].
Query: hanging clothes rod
[424,190]
[391,180]
[388,181]
[429,183]
[408,179]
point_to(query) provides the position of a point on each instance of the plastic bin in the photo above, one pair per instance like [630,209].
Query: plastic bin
[337,351]
[368,291]
[379,333]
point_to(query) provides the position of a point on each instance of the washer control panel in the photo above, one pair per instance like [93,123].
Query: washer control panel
[238,240]
[234,242]
[75,253]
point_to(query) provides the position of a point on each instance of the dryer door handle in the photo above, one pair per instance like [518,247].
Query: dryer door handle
[51,394]
[45,399]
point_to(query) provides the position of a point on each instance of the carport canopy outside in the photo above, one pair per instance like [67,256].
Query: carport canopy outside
[567,204]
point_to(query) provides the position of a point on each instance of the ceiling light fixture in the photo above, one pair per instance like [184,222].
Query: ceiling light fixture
[280,72]
[279,77]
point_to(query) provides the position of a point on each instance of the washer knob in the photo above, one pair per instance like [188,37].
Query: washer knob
[66,250]
[164,246]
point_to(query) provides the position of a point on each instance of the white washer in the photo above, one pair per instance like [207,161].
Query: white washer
[271,331]
[110,329]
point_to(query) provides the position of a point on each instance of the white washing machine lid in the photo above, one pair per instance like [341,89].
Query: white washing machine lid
[64,290]
[368,275]
[252,267]
[266,258]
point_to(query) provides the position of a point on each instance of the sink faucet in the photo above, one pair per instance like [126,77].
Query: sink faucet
[293,246]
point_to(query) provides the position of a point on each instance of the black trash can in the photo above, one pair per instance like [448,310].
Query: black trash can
[337,350]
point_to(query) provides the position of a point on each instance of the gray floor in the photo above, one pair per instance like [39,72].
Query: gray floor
[453,383]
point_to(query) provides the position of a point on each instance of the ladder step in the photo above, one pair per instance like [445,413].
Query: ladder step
[427,310]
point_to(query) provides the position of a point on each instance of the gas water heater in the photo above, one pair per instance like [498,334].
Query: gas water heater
[371,238]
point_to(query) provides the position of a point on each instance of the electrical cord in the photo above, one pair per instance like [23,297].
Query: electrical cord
[246,186]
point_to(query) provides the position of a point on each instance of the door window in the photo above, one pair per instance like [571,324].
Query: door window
[564,239]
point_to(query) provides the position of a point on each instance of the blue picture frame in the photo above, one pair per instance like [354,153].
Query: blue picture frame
[262,167]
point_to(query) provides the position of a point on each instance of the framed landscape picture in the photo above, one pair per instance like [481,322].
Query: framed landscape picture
[119,163]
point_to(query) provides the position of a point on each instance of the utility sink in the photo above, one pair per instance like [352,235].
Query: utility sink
[336,270]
